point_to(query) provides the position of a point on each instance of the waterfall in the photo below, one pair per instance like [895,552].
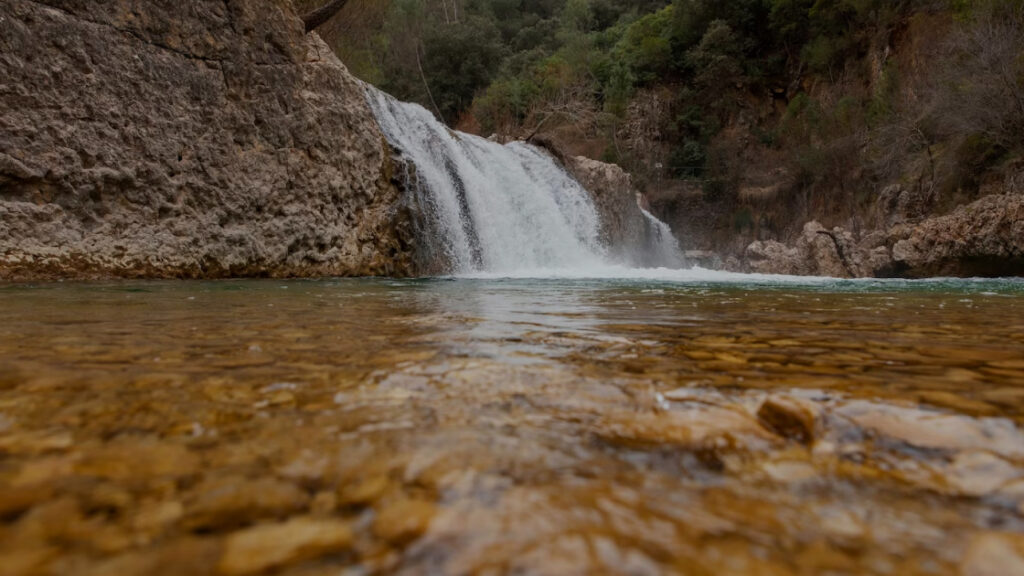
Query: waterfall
[490,207]
[661,243]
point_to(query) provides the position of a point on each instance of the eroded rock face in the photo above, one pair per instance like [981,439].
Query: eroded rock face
[818,252]
[985,238]
[629,235]
[187,139]
[615,198]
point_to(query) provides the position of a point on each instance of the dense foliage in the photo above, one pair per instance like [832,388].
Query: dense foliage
[675,90]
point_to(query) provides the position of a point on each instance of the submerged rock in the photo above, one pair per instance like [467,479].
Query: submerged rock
[994,554]
[262,548]
[233,501]
[404,520]
[197,139]
[789,417]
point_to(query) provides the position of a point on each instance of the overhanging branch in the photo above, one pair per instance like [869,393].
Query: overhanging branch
[318,17]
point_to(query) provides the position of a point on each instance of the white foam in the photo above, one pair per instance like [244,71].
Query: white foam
[494,208]
[614,272]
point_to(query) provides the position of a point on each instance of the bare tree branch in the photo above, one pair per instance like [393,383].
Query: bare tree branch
[425,85]
[320,16]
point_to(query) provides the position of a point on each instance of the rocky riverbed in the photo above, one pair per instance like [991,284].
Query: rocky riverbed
[521,426]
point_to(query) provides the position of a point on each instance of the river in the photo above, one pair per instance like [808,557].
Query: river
[687,422]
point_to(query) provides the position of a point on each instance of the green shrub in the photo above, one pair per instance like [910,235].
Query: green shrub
[687,160]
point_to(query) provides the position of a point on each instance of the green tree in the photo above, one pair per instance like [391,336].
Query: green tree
[459,60]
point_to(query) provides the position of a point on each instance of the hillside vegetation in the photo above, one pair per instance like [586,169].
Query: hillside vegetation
[740,119]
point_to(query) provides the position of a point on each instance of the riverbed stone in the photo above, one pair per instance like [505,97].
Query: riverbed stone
[789,417]
[223,502]
[994,554]
[404,520]
[979,473]
[268,546]
[935,430]
[137,458]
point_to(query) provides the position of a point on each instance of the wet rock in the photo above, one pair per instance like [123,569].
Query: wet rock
[180,556]
[829,251]
[789,417]
[817,251]
[269,546]
[403,520]
[138,458]
[790,471]
[364,491]
[14,500]
[236,501]
[994,554]
[35,442]
[152,517]
[699,427]
[273,164]
[984,238]
[323,503]
[978,473]
[28,560]
[935,430]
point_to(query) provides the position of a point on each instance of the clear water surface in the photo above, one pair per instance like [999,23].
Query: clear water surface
[686,422]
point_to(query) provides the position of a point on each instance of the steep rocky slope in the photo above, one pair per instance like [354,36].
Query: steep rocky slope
[187,139]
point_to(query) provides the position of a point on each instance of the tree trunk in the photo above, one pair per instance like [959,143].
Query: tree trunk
[318,17]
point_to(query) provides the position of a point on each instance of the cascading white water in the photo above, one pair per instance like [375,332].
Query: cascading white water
[495,208]
[662,243]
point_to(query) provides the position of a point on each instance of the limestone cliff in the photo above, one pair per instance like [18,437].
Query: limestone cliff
[207,138]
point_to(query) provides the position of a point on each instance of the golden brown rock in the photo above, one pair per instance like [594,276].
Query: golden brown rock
[224,502]
[363,491]
[403,520]
[994,554]
[789,417]
[129,458]
[268,546]
[15,500]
